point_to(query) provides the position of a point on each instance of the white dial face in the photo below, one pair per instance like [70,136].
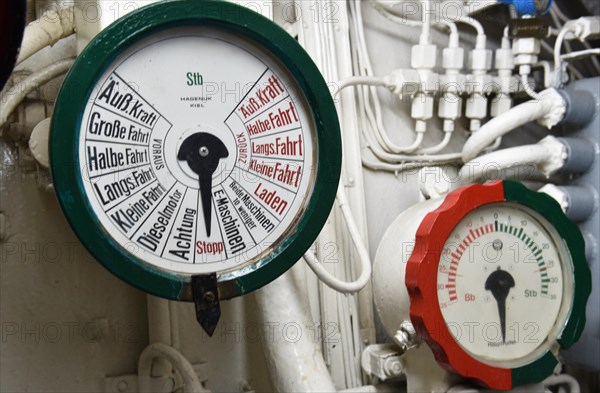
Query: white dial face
[197,151]
[501,284]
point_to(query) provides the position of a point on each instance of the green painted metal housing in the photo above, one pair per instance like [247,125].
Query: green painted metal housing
[75,93]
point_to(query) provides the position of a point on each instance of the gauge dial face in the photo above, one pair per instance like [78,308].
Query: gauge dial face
[198,151]
[500,284]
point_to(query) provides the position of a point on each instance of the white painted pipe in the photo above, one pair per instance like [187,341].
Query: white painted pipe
[47,30]
[550,104]
[18,93]
[292,350]
[547,157]
[159,330]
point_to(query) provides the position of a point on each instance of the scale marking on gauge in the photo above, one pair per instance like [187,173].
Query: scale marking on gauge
[247,94]
[114,194]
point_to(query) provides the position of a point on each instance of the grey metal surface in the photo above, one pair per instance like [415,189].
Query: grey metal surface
[585,351]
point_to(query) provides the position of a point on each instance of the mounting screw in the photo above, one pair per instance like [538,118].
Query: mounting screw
[393,367]
[209,297]
[406,336]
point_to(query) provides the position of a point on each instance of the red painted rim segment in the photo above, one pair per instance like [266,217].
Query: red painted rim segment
[421,274]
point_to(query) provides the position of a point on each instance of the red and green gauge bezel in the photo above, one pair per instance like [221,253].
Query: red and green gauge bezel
[422,283]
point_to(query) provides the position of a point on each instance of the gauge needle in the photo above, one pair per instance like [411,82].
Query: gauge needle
[500,282]
[203,152]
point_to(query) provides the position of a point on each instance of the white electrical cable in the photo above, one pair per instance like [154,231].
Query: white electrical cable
[365,260]
[548,73]
[366,269]
[397,168]
[357,81]
[439,147]
[401,158]
[375,118]
[18,93]
[50,28]
[563,379]
[379,6]
[580,54]
[425,38]
[368,96]
[548,48]
[481,37]
[550,106]
[376,81]
[558,63]
[557,16]
[527,87]
[556,9]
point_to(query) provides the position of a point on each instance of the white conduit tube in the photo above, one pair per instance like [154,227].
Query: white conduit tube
[550,107]
[547,156]
[357,81]
[18,92]
[159,329]
[563,379]
[292,350]
[439,147]
[47,30]
[365,260]
[179,362]
[380,7]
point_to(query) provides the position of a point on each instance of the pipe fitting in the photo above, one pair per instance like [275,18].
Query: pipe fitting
[580,155]
[578,202]
[580,108]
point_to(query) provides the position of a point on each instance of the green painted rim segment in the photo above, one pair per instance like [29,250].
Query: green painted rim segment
[74,95]
[534,372]
[571,235]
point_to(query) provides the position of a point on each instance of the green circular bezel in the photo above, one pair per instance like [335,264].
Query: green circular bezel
[78,86]
[570,234]
[574,243]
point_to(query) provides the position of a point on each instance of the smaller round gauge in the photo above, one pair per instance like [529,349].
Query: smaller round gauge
[501,262]
[501,270]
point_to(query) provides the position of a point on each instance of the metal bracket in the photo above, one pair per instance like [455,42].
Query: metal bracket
[382,361]
[163,384]
[206,298]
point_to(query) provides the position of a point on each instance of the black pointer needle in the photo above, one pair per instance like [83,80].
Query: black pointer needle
[500,282]
[202,152]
